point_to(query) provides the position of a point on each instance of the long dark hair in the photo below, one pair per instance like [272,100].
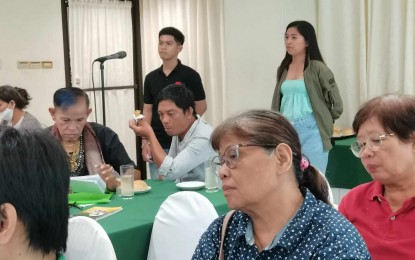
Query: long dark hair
[312,50]
[270,127]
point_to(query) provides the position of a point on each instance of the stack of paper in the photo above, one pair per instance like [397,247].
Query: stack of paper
[90,183]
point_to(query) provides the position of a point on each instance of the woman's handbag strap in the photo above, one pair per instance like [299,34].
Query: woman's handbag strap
[224,226]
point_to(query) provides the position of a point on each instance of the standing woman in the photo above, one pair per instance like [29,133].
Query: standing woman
[12,102]
[306,93]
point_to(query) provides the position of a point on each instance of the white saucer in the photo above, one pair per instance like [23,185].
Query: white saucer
[190,185]
[142,191]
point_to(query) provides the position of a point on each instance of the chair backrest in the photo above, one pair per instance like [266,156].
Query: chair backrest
[179,224]
[331,199]
[87,240]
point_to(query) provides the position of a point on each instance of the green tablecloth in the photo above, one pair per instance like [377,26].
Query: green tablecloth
[344,170]
[130,229]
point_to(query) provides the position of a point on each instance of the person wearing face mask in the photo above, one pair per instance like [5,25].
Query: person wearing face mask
[12,102]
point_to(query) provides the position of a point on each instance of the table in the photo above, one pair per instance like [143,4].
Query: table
[130,229]
[344,170]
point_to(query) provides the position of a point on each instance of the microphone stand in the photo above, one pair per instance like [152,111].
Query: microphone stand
[118,55]
[101,67]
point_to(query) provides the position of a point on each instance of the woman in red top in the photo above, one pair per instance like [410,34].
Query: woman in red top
[384,210]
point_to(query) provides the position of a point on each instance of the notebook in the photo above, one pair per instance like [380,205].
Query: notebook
[98,213]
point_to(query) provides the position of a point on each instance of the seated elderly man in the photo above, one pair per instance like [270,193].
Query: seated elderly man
[34,183]
[91,148]
[190,145]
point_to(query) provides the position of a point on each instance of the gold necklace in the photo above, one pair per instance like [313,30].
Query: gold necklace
[73,157]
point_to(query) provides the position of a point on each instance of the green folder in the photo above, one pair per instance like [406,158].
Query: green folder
[89,198]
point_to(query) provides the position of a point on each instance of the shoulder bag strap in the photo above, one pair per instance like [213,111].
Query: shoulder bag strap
[224,226]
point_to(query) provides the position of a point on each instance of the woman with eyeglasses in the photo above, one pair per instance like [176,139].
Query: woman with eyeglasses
[384,210]
[280,200]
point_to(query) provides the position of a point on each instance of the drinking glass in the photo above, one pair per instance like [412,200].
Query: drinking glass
[127,181]
[118,190]
[211,179]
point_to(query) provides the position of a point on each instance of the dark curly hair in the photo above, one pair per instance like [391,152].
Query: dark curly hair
[18,95]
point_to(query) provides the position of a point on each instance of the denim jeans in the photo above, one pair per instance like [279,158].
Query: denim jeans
[153,169]
[311,143]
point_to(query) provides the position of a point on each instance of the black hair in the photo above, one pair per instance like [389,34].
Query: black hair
[312,51]
[34,178]
[18,95]
[66,97]
[179,94]
[264,127]
[177,35]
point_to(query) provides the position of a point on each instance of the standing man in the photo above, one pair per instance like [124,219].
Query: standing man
[170,45]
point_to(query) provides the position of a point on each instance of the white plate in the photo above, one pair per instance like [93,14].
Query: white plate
[190,185]
[142,191]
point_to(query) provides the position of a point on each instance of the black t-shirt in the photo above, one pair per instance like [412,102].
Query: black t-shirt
[156,80]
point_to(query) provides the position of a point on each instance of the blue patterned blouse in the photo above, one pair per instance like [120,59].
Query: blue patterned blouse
[317,231]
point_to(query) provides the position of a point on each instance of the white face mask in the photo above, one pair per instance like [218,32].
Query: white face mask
[6,116]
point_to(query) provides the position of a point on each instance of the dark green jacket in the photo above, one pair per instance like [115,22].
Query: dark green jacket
[324,96]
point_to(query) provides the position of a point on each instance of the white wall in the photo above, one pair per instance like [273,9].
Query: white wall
[32,31]
[254,47]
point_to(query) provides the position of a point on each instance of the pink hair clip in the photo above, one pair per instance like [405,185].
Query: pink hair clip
[304,164]
[178,83]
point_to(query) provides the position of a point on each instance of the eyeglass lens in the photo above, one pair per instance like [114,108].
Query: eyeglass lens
[373,142]
[230,158]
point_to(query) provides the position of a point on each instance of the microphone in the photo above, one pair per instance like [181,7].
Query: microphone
[118,55]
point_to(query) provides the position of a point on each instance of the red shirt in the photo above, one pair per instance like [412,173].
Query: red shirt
[388,235]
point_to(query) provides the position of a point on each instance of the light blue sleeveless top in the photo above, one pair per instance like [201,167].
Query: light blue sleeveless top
[295,103]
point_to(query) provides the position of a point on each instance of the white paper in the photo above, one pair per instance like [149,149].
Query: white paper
[89,183]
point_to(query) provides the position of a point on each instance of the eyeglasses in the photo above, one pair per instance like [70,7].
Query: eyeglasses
[373,142]
[231,156]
